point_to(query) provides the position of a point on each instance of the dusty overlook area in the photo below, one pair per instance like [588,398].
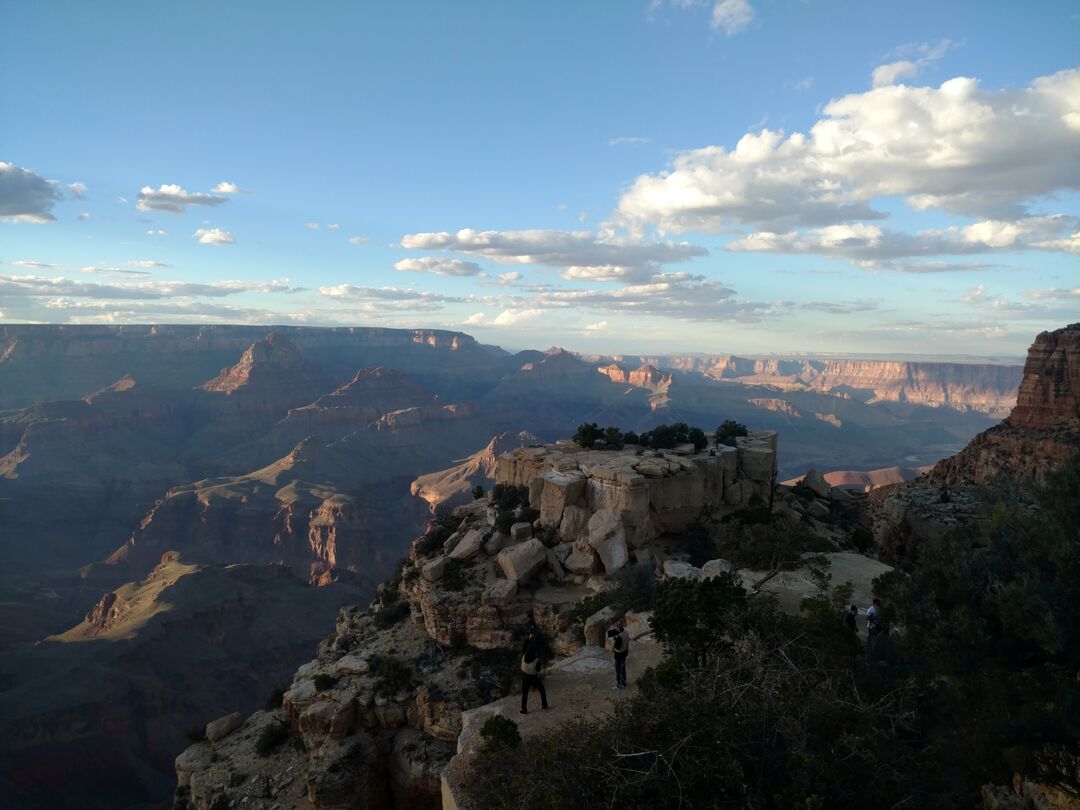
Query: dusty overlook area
[374,721]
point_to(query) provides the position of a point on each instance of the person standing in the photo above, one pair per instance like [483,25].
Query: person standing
[530,672]
[620,646]
[851,620]
[873,619]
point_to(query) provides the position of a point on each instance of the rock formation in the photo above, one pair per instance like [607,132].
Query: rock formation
[1040,434]
[602,500]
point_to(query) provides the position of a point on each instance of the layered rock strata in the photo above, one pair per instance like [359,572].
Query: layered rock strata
[606,502]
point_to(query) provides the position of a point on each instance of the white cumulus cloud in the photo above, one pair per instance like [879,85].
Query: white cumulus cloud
[26,196]
[439,266]
[214,236]
[173,199]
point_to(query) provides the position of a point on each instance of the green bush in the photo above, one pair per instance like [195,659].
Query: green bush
[635,589]
[323,682]
[587,435]
[477,492]
[500,734]
[272,735]
[728,431]
[392,614]
[764,546]
[453,578]
[391,674]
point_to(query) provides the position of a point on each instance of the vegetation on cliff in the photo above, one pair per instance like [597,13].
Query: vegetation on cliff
[756,708]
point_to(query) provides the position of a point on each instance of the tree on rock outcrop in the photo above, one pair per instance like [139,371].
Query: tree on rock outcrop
[728,431]
[588,433]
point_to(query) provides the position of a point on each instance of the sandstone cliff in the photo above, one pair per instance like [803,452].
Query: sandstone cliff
[1040,434]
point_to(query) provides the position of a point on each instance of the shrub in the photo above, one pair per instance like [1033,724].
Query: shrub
[323,682]
[613,438]
[764,546]
[477,492]
[453,578]
[271,736]
[862,538]
[728,431]
[391,674]
[392,614]
[588,433]
[528,514]
[631,438]
[504,519]
[500,733]
[635,589]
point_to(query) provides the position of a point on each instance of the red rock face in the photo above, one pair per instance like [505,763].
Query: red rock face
[1043,430]
[1049,394]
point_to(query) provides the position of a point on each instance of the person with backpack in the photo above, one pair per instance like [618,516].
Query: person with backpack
[620,646]
[530,672]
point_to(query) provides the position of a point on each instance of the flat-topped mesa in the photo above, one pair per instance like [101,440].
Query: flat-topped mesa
[648,493]
[1049,394]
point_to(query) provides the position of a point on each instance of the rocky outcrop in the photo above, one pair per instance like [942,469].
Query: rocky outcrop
[605,502]
[1049,395]
[1042,432]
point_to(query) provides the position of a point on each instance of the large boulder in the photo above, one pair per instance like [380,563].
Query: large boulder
[521,561]
[468,546]
[521,531]
[714,568]
[575,524]
[223,726]
[757,463]
[560,490]
[500,592]
[433,570]
[677,569]
[638,624]
[581,561]
[816,483]
[607,536]
[596,626]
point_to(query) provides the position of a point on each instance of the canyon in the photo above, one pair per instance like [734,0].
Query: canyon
[313,457]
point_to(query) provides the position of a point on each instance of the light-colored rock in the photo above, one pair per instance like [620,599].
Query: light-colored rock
[677,569]
[468,546]
[496,543]
[451,542]
[562,551]
[521,561]
[575,524]
[192,760]
[757,463]
[816,483]
[520,531]
[596,626]
[433,571]
[223,726]
[327,719]
[351,665]
[500,592]
[607,536]
[637,624]
[581,561]
[715,567]
[560,490]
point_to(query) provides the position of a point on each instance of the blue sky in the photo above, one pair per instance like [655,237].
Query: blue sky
[729,175]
